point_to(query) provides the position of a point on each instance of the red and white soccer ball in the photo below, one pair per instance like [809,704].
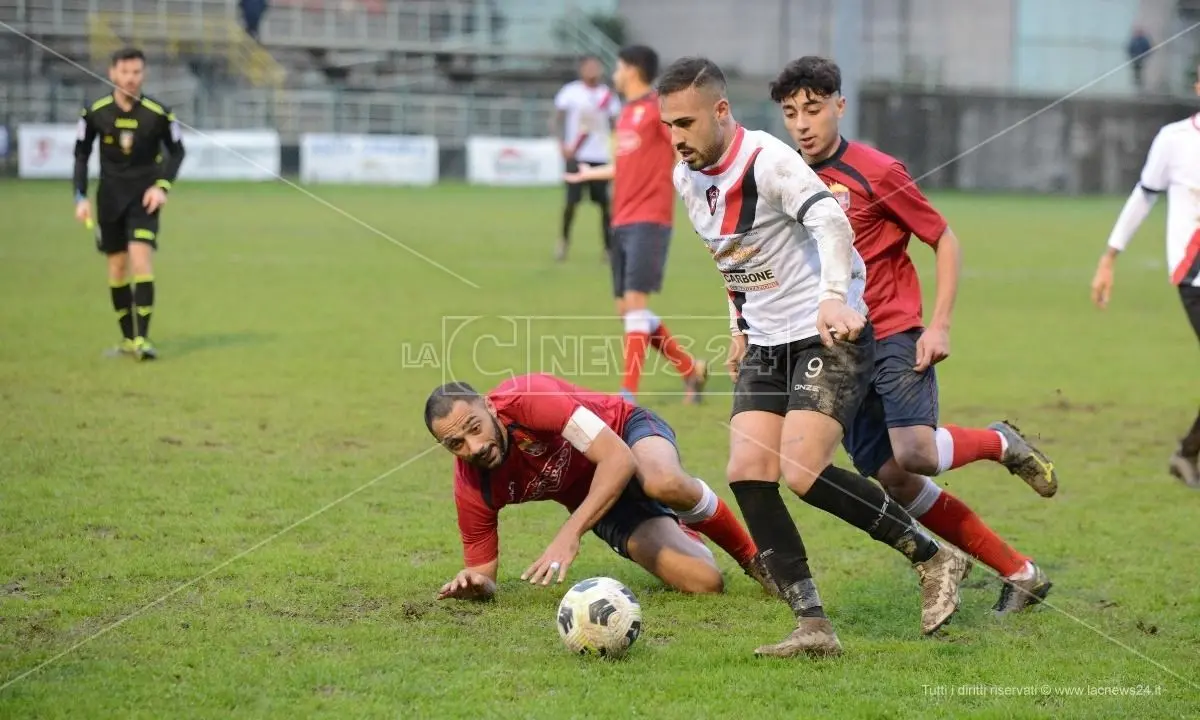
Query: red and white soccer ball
[599,616]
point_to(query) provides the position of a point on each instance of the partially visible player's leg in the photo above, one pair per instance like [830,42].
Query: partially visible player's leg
[598,189]
[631,306]
[112,239]
[663,479]
[829,386]
[574,196]
[648,532]
[1185,463]
[884,451]
[926,449]
[760,401]
[143,242]
[662,547]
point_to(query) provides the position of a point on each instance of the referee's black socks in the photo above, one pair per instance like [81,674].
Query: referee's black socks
[122,301]
[866,506]
[143,303]
[779,544]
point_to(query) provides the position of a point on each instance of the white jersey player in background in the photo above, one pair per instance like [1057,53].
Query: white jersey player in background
[804,350]
[1173,167]
[585,110]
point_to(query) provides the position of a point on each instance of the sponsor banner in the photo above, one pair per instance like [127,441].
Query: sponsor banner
[514,161]
[48,151]
[369,159]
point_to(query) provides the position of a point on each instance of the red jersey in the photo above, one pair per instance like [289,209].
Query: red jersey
[886,209]
[539,463]
[642,187]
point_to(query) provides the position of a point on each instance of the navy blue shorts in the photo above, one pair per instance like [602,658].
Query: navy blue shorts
[899,397]
[638,257]
[633,507]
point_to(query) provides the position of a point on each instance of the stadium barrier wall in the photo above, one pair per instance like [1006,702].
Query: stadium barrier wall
[514,161]
[1005,143]
[48,151]
[369,159]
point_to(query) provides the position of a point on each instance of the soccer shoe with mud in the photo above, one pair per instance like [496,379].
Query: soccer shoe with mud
[143,350]
[694,384]
[1185,469]
[1026,461]
[941,576]
[1016,595]
[813,637]
[757,570]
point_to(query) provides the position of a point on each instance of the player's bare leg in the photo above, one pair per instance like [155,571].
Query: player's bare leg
[122,301]
[141,257]
[662,547]
[1024,583]
[663,478]
[752,472]
[926,451]
[808,445]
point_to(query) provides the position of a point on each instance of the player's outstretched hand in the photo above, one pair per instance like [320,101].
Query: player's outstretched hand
[555,561]
[837,321]
[468,585]
[932,347]
[1102,282]
[154,198]
[737,352]
[83,211]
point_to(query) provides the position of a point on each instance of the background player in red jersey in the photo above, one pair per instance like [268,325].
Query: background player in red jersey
[615,466]
[643,211]
[896,437]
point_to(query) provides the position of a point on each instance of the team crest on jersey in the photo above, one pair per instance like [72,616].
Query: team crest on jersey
[712,194]
[528,445]
[638,113]
[126,141]
[841,193]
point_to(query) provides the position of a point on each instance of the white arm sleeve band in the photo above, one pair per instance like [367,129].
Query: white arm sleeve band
[583,428]
[1137,207]
[835,246]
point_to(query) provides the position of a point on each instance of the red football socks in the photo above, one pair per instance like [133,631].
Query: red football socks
[635,356]
[723,528]
[951,519]
[662,341]
[971,444]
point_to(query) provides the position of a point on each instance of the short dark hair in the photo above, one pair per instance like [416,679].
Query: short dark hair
[641,57]
[698,72]
[441,401]
[128,53]
[819,76]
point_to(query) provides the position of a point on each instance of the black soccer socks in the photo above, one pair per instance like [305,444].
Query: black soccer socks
[143,303]
[866,506]
[122,302]
[779,544]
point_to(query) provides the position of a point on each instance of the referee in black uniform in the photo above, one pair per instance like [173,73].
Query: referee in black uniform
[134,181]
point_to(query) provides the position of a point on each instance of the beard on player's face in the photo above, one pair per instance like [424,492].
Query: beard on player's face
[491,446]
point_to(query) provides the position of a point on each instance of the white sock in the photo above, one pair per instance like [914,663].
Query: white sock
[1003,443]
[945,449]
[1025,573]
[924,501]
[706,508]
[640,321]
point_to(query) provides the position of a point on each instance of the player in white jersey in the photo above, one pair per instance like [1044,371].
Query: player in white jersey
[1173,167]
[803,349]
[585,110]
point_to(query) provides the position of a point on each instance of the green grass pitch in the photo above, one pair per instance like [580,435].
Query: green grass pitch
[297,347]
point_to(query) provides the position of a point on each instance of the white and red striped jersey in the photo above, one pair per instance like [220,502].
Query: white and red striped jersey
[1172,167]
[780,239]
[589,111]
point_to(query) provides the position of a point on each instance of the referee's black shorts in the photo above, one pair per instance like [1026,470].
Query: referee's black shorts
[119,224]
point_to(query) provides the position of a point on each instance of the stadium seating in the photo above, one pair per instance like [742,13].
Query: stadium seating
[446,67]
